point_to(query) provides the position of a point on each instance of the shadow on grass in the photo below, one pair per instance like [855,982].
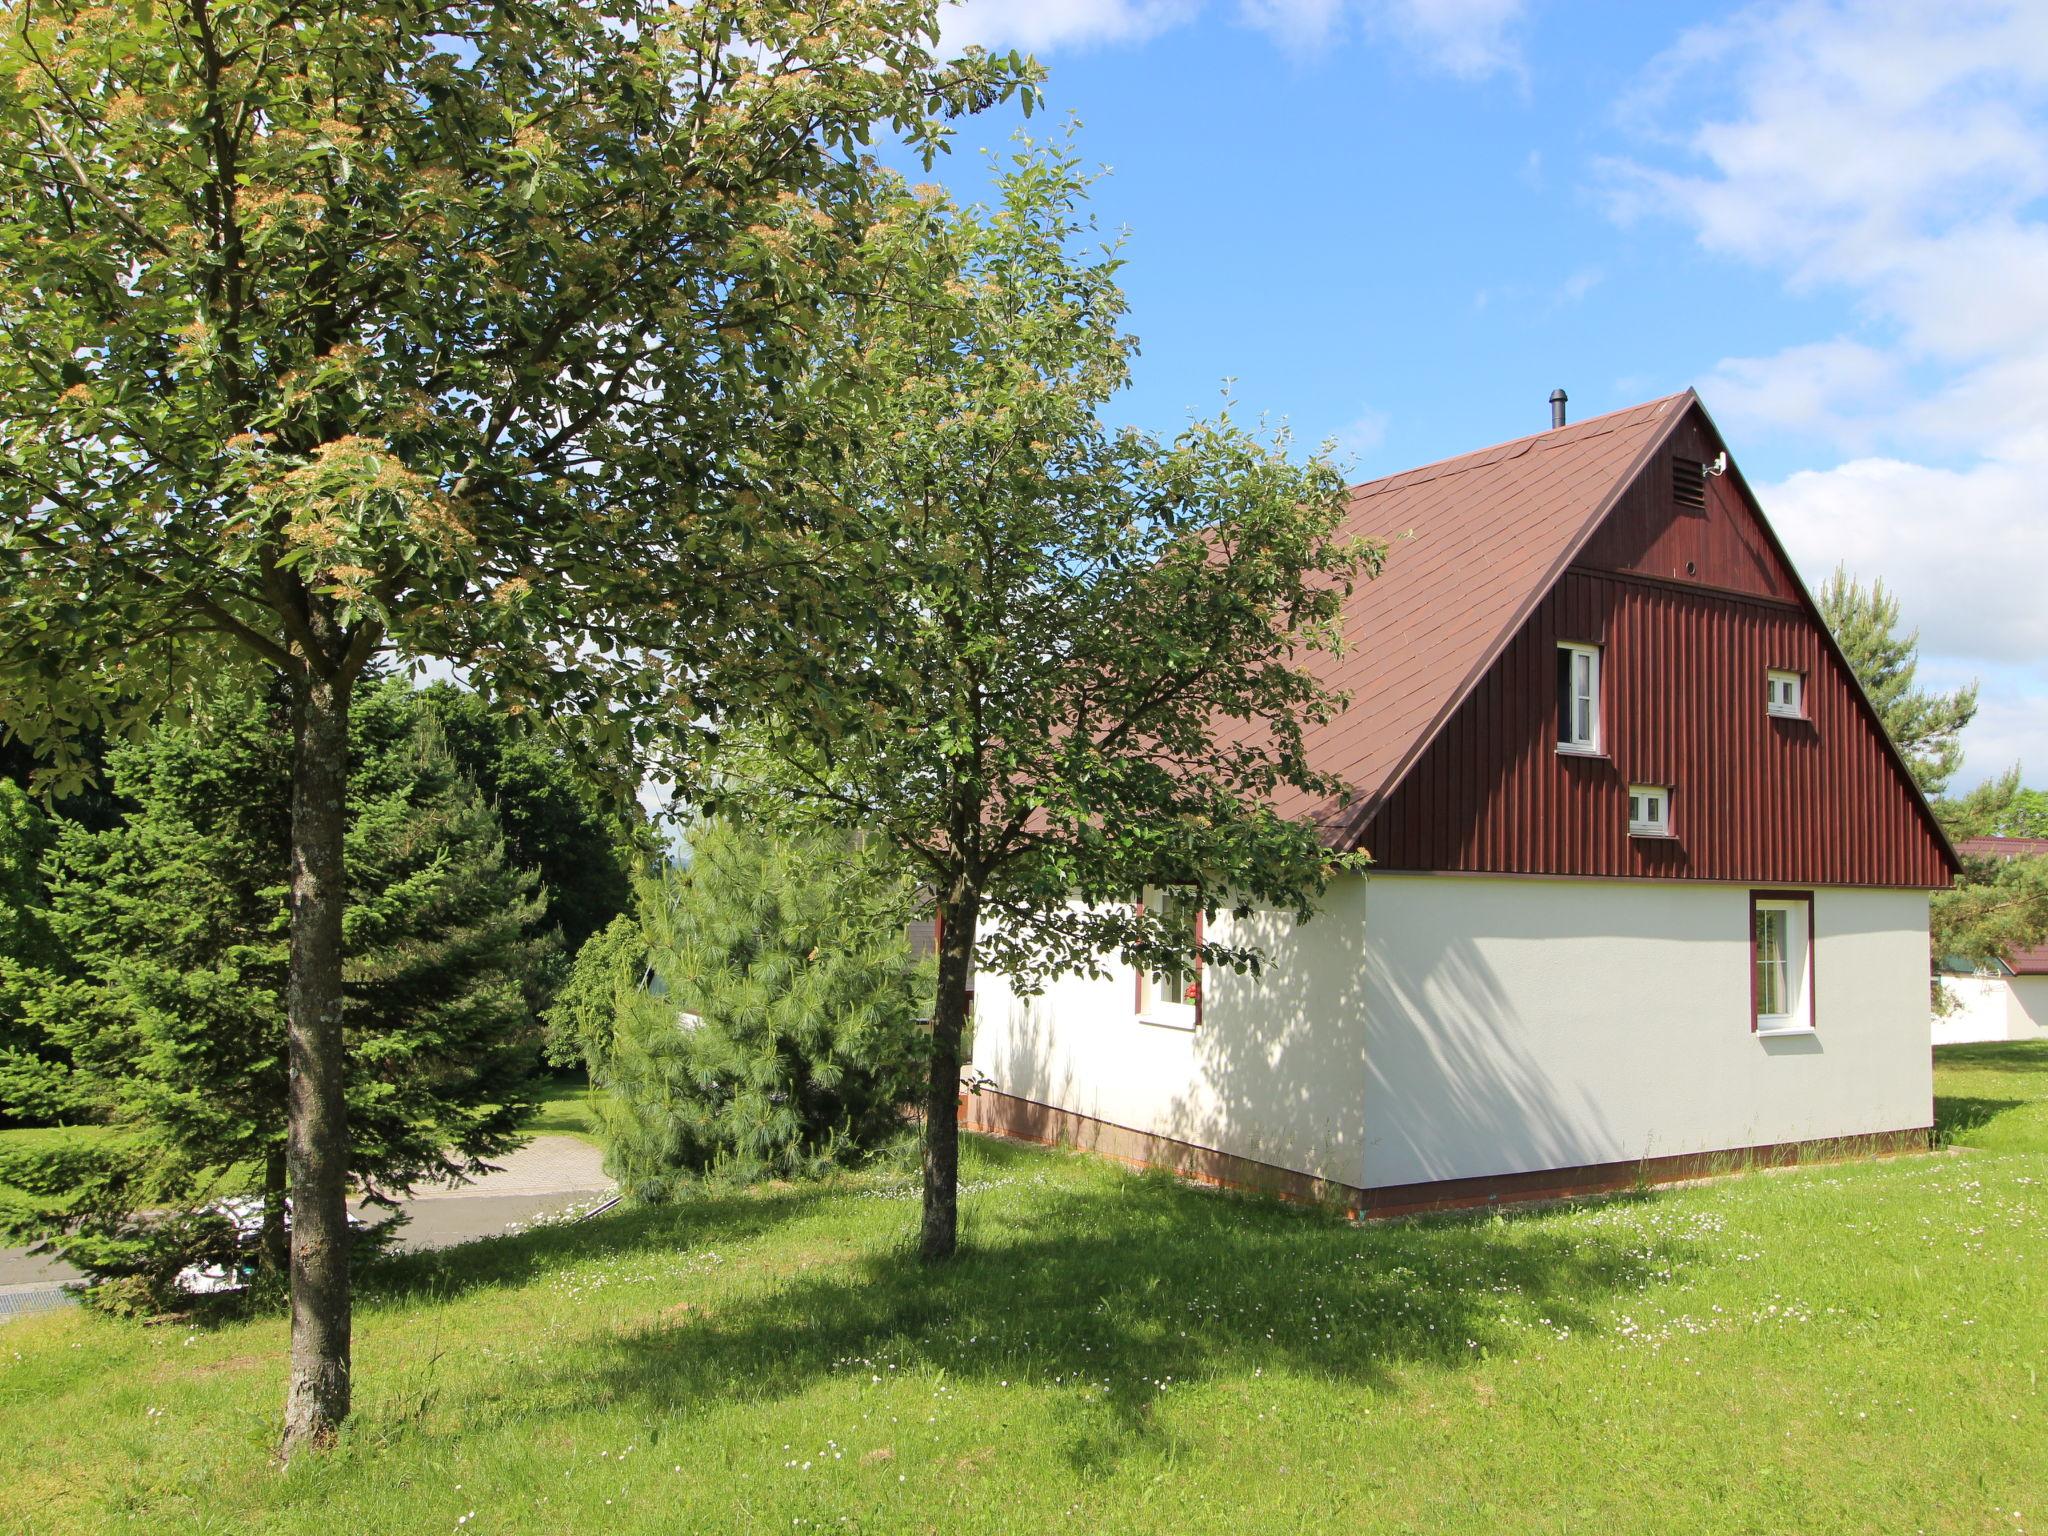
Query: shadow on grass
[440,1274]
[2026,1058]
[1956,1117]
[1116,1288]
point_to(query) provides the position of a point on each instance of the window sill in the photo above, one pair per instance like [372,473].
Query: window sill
[1565,751]
[1786,714]
[1778,1031]
[1650,833]
[1160,1021]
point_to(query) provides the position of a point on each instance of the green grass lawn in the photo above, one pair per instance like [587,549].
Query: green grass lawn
[1846,1349]
[567,1108]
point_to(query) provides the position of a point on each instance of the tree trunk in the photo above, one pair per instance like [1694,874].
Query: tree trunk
[316,1399]
[941,1230]
[272,1248]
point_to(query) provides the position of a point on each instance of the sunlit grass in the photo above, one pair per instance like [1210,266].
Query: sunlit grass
[568,1107]
[1851,1348]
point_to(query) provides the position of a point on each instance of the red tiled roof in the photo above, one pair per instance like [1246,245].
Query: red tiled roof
[2001,847]
[2029,962]
[1474,543]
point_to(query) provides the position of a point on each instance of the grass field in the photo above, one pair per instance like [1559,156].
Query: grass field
[1855,1348]
[567,1108]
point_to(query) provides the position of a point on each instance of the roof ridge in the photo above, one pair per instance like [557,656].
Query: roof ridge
[1479,458]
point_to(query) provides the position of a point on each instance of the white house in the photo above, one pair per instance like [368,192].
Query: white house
[2000,997]
[1649,890]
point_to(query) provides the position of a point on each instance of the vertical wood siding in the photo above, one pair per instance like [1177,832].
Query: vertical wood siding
[1754,798]
[1721,545]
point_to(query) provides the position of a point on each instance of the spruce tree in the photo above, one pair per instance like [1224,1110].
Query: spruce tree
[178,923]
[28,950]
[779,1032]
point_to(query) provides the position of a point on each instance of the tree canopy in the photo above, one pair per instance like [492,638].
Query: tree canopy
[481,330]
[1080,651]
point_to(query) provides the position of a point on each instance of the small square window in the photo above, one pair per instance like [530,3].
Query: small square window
[1649,810]
[1785,694]
[1578,698]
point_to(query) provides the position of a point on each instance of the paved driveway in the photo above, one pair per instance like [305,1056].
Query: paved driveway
[549,1175]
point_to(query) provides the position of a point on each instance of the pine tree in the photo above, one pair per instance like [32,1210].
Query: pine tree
[177,921]
[779,1034]
[602,979]
[1923,724]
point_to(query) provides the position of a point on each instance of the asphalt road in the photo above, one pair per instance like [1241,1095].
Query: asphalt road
[548,1175]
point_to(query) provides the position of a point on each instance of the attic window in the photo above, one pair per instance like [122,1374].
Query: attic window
[1688,482]
[1649,810]
[1784,694]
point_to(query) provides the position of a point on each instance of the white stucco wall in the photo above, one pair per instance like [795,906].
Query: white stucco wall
[1432,1027]
[1979,1010]
[2027,1009]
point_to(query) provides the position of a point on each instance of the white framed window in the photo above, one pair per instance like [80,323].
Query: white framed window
[1578,697]
[1781,963]
[1785,694]
[1173,997]
[1649,810]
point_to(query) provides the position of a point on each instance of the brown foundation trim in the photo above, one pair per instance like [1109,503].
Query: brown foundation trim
[1001,1114]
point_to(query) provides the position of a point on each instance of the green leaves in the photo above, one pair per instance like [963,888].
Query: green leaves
[1074,660]
[778,1033]
[475,331]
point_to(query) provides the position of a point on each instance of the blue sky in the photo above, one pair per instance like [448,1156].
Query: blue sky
[1402,223]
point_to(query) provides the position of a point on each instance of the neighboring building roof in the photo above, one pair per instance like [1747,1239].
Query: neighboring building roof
[1474,543]
[2001,847]
[2032,961]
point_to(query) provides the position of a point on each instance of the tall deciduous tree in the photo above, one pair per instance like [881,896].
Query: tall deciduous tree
[1081,649]
[465,329]
[1925,725]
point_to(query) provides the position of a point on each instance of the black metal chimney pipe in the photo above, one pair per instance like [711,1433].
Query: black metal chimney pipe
[1557,400]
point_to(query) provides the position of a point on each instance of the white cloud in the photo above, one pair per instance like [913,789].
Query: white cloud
[1826,388]
[1048,24]
[2011,727]
[1471,39]
[1894,152]
[1963,549]
[1358,442]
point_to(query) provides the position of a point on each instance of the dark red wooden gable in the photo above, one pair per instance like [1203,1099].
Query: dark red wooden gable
[1692,602]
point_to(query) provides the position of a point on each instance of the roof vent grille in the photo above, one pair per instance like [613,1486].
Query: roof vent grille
[1688,482]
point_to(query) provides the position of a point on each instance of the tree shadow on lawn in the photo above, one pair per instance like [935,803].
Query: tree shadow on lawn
[1956,1117]
[498,1262]
[1118,1287]
[2024,1058]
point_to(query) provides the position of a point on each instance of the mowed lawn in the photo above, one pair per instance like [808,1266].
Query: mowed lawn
[1855,1348]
